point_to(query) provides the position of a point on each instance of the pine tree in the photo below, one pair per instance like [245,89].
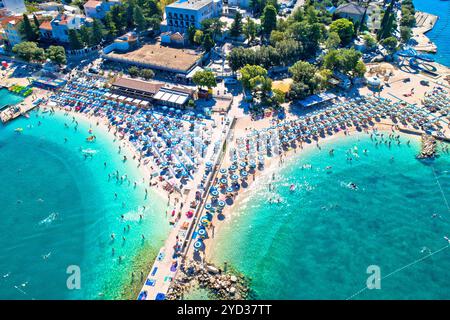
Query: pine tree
[29,31]
[236,26]
[97,32]
[75,40]
[139,19]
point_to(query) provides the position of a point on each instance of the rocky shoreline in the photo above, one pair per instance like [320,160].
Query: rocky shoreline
[428,149]
[222,284]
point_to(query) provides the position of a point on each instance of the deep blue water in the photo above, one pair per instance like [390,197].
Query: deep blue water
[440,34]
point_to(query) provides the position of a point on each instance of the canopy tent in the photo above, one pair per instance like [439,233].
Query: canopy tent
[316,99]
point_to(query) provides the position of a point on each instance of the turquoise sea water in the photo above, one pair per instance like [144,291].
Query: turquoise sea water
[440,34]
[58,209]
[319,240]
[8,98]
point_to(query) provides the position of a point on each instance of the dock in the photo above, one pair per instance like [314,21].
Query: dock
[13,112]
[166,265]
[425,22]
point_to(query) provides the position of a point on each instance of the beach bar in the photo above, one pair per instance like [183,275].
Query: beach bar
[317,99]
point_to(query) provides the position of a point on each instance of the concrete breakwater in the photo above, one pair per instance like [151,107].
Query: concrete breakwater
[424,23]
[222,284]
[428,148]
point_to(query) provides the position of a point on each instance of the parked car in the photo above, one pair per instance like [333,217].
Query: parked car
[230,81]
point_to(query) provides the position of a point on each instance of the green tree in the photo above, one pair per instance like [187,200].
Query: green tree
[390,44]
[276,36]
[236,25]
[98,31]
[191,33]
[308,34]
[131,5]
[29,31]
[405,33]
[110,25]
[133,71]
[269,19]
[37,23]
[208,42]
[139,19]
[250,29]
[147,74]
[29,51]
[119,17]
[250,72]
[75,41]
[388,22]
[360,69]
[333,41]
[204,79]
[278,97]
[198,37]
[85,35]
[344,28]
[343,60]
[57,54]
[369,41]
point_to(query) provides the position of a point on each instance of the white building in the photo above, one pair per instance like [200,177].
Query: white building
[98,9]
[182,14]
[237,3]
[14,6]
[10,30]
[61,25]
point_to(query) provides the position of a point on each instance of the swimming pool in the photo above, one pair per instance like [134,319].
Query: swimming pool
[8,98]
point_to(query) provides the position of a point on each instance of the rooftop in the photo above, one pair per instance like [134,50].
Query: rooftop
[46,25]
[160,57]
[10,19]
[189,4]
[92,4]
[145,86]
[351,8]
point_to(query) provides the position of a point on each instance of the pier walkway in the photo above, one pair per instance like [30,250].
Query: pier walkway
[166,264]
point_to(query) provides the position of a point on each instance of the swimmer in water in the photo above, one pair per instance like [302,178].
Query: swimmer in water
[353,186]
[46,256]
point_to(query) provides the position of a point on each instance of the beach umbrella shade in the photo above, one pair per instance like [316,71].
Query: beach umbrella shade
[215,193]
[202,233]
[198,245]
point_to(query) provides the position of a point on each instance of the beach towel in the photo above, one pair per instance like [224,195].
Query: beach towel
[160,296]
[155,269]
[150,282]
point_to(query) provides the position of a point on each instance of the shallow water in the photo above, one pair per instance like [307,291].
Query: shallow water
[8,98]
[58,209]
[318,241]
